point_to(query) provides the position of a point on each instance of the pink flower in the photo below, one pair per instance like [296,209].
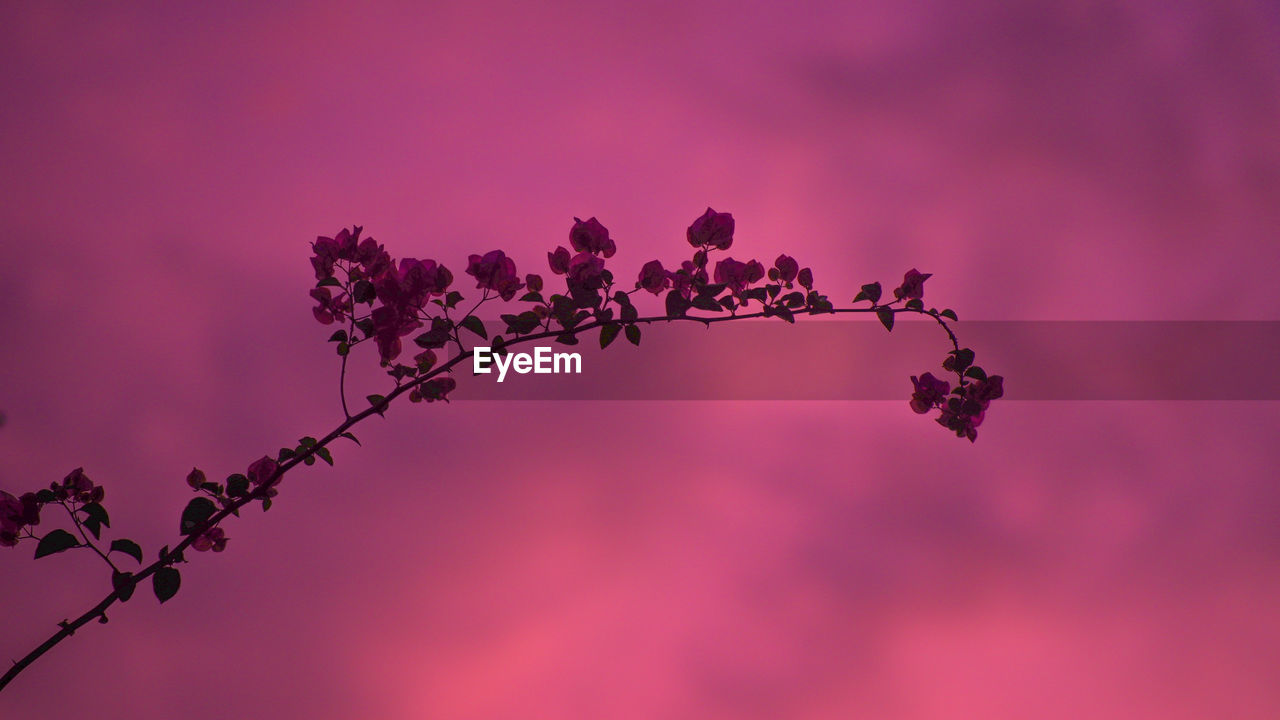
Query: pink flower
[738,275]
[495,271]
[212,539]
[585,270]
[712,229]
[10,519]
[15,514]
[260,471]
[408,289]
[929,392]
[653,278]
[592,237]
[533,282]
[787,268]
[389,325]
[912,285]
[330,308]
[327,251]
[559,260]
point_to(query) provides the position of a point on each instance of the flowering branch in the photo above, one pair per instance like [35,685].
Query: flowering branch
[416,294]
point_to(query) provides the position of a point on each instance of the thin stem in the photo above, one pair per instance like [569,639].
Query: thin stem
[85,537]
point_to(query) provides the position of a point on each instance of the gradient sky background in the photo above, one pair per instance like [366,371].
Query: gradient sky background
[165,166]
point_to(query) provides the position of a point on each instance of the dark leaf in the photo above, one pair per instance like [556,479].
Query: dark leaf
[432,339]
[976,373]
[195,514]
[97,512]
[123,583]
[350,437]
[677,305]
[473,323]
[633,334]
[339,336]
[608,333]
[364,292]
[949,313]
[325,455]
[128,547]
[237,485]
[166,582]
[785,314]
[708,303]
[567,339]
[886,317]
[55,542]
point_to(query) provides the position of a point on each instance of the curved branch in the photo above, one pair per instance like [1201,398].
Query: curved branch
[175,555]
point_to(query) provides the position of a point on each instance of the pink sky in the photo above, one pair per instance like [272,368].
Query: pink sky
[166,168]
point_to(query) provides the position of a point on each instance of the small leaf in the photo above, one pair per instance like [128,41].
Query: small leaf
[377,402]
[886,317]
[532,297]
[123,583]
[325,456]
[128,547]
[915,304]
[949,313]
[339,336]
[475,325]
[55,542]
[567,339]
[432,339]
[350,437]
[329,281]
[266,504]
[608,333]
[633,334]
[364,292]
[976,373]
[453,298]
[237,485]
[97,512]
[870,291]
[195,514]
[166,582]
[343,349]
[785,314]
[708,303]
[677,305]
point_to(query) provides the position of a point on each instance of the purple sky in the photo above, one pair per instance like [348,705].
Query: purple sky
[166,166]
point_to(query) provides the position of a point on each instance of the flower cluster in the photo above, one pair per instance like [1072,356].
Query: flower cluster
[212,539]
[963,408]
[365,273]
[17,513]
